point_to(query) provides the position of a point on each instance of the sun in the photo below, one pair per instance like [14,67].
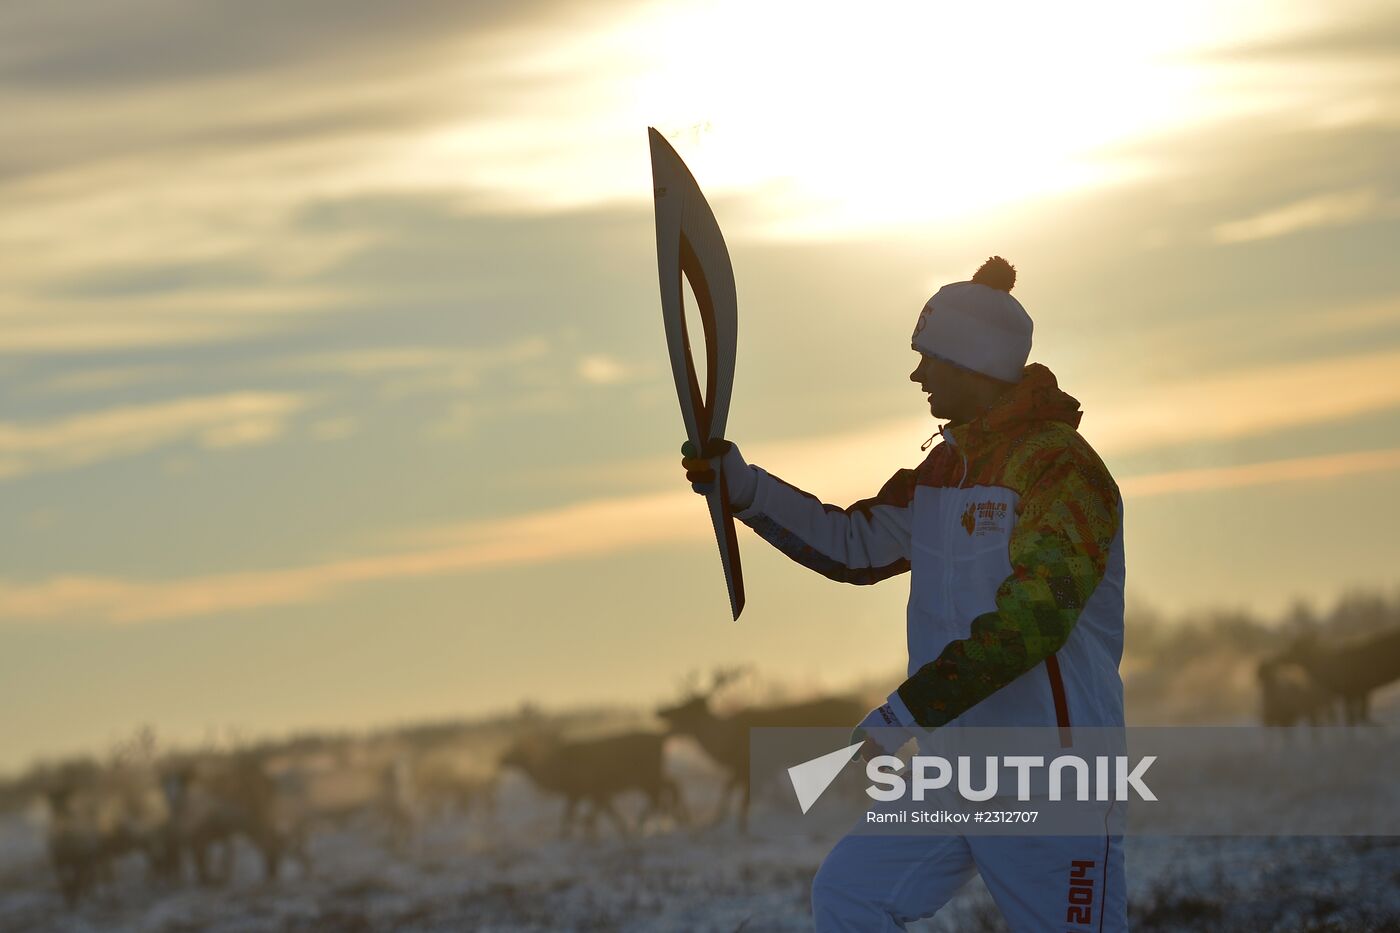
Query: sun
[891,113]
[827,120]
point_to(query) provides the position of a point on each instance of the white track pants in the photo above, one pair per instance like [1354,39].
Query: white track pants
[873,884]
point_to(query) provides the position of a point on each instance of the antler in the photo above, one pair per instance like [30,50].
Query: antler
[723,676]
[688,686]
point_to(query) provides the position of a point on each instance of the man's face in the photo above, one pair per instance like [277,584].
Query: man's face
[945,386]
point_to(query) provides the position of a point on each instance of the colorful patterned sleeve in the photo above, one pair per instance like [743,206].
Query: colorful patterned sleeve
[1059,552]
[863,543]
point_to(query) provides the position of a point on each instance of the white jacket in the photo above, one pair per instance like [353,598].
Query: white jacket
[1012,532]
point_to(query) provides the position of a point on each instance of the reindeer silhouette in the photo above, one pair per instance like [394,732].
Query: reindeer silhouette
[1349,669]
[595,771]
[210,807]
[726,738]
[77,850]
[1288,694]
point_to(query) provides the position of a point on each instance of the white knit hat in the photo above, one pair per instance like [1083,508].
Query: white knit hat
[978,325]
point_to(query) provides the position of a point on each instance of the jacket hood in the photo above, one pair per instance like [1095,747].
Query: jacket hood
[1037,397]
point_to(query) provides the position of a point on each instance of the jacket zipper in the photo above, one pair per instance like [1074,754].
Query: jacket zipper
[948,532]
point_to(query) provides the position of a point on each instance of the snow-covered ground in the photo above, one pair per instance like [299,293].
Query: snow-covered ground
[514,873]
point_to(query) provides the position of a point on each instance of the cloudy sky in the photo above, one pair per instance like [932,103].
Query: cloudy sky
[333,387]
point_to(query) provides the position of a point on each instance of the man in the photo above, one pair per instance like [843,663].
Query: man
[1011,530]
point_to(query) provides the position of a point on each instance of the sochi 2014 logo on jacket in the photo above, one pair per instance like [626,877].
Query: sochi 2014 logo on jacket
[984,518]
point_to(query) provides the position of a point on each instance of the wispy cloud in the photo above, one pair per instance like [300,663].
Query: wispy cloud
[1294,470]
[333,429]
[601,369]
[415,369]
[105,378]
[137,44]
[399,359]
[204,150]
[838,468]
[36,325]
[592,528]
[1372,32]
[231,420]
[1213,407]
[1248,403]
[589,528]
[1357,319]
[1333,209]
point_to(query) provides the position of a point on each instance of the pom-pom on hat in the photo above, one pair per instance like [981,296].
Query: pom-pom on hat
[978,325]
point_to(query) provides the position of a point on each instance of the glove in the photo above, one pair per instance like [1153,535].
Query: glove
[739,480]
[885,729]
